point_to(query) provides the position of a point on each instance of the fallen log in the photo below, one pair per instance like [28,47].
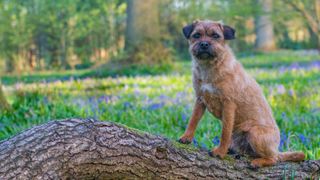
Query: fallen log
[90,149]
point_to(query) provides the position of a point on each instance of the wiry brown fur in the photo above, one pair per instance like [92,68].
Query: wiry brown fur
[223,88]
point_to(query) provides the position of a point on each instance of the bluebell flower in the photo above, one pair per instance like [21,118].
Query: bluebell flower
[195,142]
[282,69]
[104,98]
[315,64]
[156,106]
[294,65]
[283,140]
[216,140]
[291,92]
[303,139]
[184,117]
[204,146]
[281,89]
[284,116]
[163,97]
[296,121]
[127,104]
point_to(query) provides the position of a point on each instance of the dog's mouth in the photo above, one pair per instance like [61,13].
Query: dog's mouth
[204,55]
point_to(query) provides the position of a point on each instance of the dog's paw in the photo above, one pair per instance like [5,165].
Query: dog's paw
[254,166]
[185,139]
[221,153]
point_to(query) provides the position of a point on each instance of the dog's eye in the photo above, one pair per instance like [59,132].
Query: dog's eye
[196,35]
[215,36]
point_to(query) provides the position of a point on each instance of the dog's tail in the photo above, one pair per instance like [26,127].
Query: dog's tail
[291,156]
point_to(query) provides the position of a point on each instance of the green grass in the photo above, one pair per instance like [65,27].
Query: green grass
[161,103]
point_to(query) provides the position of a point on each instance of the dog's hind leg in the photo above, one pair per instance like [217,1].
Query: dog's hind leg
[264,142]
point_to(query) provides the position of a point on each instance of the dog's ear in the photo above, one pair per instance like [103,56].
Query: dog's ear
[228,32]
[187,30]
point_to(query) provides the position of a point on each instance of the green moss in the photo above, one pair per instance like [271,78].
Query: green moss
[187,147]
[229,159]
[137,131]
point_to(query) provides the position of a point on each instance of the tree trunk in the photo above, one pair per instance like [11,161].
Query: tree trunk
[143,35]
[142,22]
[4,105]
[264,28]
[10,63]
[89,149]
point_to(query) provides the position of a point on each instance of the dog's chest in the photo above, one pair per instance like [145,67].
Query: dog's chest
[211,97]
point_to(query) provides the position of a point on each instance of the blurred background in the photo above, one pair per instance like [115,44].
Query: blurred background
[127,61]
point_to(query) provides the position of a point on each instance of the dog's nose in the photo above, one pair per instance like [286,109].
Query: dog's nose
[204,45]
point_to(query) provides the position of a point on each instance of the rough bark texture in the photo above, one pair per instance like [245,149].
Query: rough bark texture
[89,149]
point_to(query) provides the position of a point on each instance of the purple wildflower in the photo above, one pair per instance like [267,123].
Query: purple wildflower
[127,105]
[195,142]
[104,98]
[291,92]
[163,97]
[282,69]
[296,121]
[184,117]
[156,106]
[283,140]
[281,89]
[216,140]
[204,146]
[303,139]
[315,64]
[294,66]
[284,116]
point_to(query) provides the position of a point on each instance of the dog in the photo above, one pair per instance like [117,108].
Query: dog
[223,88]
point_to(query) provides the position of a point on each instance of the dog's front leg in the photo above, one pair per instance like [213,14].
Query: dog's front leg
[228,115]
[198,111]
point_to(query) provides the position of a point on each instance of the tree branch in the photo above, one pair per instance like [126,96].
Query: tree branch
[302,10]
[89,149]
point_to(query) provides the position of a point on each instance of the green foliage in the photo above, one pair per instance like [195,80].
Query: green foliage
[56,33]
[79,34]
[162,104]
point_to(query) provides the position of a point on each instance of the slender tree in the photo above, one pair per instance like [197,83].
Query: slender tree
[142,22]
[264,27]
[4,105]
[142,36]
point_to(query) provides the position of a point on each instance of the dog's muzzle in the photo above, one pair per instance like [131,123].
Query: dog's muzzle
[204,54]
[203,51]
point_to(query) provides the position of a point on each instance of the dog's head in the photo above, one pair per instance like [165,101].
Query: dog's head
[207,38]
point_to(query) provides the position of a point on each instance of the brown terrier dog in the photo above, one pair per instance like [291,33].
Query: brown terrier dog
[223,87]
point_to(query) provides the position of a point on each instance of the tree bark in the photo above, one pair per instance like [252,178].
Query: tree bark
[89,149]
[264,27]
